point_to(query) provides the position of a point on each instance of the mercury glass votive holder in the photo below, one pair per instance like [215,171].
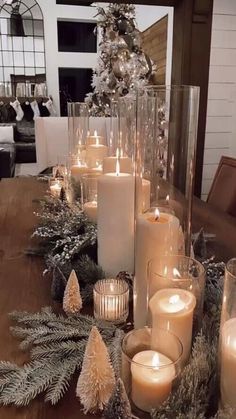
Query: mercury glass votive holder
[150,370]
[228,338]
[111,300]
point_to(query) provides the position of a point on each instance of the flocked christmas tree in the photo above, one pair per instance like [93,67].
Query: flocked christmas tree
[97,380]
[72,301]
[118,406]
[123,66]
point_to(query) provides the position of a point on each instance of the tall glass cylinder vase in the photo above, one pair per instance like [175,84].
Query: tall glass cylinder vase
[115,216]
[78,125]
[167,120]
[228,338]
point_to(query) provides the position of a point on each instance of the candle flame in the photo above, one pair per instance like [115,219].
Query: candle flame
[95,133]
[97,141]
[117,167]
[176,273]
[174,299]
[156,361]
[167,198]
[157,214]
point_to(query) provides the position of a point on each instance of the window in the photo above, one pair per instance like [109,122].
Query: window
[74,84]
[75,2]
[76,36]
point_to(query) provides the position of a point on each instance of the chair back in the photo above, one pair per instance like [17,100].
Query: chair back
[223,189]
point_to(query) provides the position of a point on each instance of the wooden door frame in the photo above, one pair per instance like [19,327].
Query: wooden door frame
[191,58]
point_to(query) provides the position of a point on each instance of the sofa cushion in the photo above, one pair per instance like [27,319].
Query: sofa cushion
[7,160]
[6,134]
[26,132]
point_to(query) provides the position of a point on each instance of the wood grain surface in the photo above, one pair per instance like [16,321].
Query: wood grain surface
[22,286]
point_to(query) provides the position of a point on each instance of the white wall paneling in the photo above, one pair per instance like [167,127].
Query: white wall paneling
[221,111]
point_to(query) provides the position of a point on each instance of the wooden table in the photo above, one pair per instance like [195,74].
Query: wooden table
[23,287]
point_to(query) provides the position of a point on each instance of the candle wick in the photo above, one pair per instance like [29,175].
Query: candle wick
[156,217]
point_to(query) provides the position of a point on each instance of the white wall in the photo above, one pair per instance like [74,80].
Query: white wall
[146,16]
[221,110]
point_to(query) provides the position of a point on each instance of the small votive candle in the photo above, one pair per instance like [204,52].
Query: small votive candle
[152,377]
[90,209]
[55,186]
[111,300]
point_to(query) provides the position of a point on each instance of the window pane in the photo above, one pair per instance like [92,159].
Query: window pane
[76,36]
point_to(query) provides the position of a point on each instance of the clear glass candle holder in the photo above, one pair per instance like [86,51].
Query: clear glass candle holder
[78,125]
[89,194]
[150,367]
[182,272]
[166,129]
[111,300]
[55,186]
[228,338]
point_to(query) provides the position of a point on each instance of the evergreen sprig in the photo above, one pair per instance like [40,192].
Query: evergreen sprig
[57,346]
[64,231]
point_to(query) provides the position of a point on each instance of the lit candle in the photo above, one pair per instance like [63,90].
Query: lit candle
[156,235]
[78,169]
[96,152]
[90,209]
[109,163]
[55,188]
[172,310]
[116,222]
[152,377]
[228,363]
[94,139]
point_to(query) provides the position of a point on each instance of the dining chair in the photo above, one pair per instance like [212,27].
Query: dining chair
[223,189]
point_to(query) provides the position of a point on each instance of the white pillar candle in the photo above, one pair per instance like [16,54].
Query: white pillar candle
[143,194]
[78,169]
[96,153]
[94,139]
[155,236]
[116,222]
[228,363]
[55,189]
[172,310]
[146,195]
[109,164]
[90,209]
[151,386]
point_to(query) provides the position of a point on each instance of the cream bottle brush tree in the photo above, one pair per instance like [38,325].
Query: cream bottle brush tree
[97,379]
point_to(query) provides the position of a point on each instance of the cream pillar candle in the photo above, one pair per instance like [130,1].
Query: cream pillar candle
[96,153]
[151,386]
[109,164]
[228,363]
[90,209]
[146,194]
[116,222]
[94,139]
[155,236]
[78,169]
[172,310]
[143,194]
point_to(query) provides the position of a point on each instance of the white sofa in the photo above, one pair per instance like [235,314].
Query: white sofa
[51,138]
